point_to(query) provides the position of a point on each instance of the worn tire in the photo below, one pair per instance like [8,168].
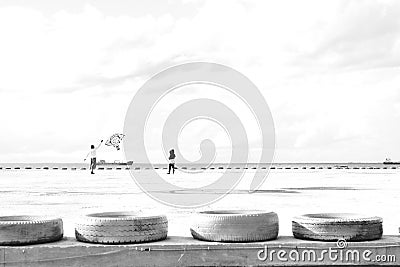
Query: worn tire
[335,226]
[235,226]
[23,230]
[121,228]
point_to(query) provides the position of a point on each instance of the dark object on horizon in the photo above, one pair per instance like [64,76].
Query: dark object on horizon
[116,162]
[390,162]
[341,166]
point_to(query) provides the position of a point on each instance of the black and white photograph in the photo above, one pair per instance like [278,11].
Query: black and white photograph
[199,133]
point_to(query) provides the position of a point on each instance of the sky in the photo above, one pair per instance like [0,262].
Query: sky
[329,71]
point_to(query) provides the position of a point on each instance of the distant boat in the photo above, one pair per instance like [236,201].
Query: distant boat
[390,162]
[341,166]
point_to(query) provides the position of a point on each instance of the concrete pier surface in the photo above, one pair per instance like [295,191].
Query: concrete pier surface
[69,194]
[186,251]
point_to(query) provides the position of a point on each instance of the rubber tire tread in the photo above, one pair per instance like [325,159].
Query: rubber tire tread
[351,227]
[25,230]
[245,227]
[122,229]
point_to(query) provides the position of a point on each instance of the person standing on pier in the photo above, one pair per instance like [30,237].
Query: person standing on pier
[171,160]
[92,154]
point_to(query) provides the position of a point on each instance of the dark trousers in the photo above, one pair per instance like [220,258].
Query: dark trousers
[171,166]
[93,164]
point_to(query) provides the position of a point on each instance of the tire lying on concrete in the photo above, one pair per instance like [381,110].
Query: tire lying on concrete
[235,226]
[121,228]
[335,226]
[24,230]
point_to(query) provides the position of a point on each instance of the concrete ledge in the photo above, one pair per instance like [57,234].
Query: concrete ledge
[184,251]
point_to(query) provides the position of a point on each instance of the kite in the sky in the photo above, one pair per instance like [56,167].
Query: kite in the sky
[115,140]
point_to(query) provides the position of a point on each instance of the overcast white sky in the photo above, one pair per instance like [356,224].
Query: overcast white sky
[330,71]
